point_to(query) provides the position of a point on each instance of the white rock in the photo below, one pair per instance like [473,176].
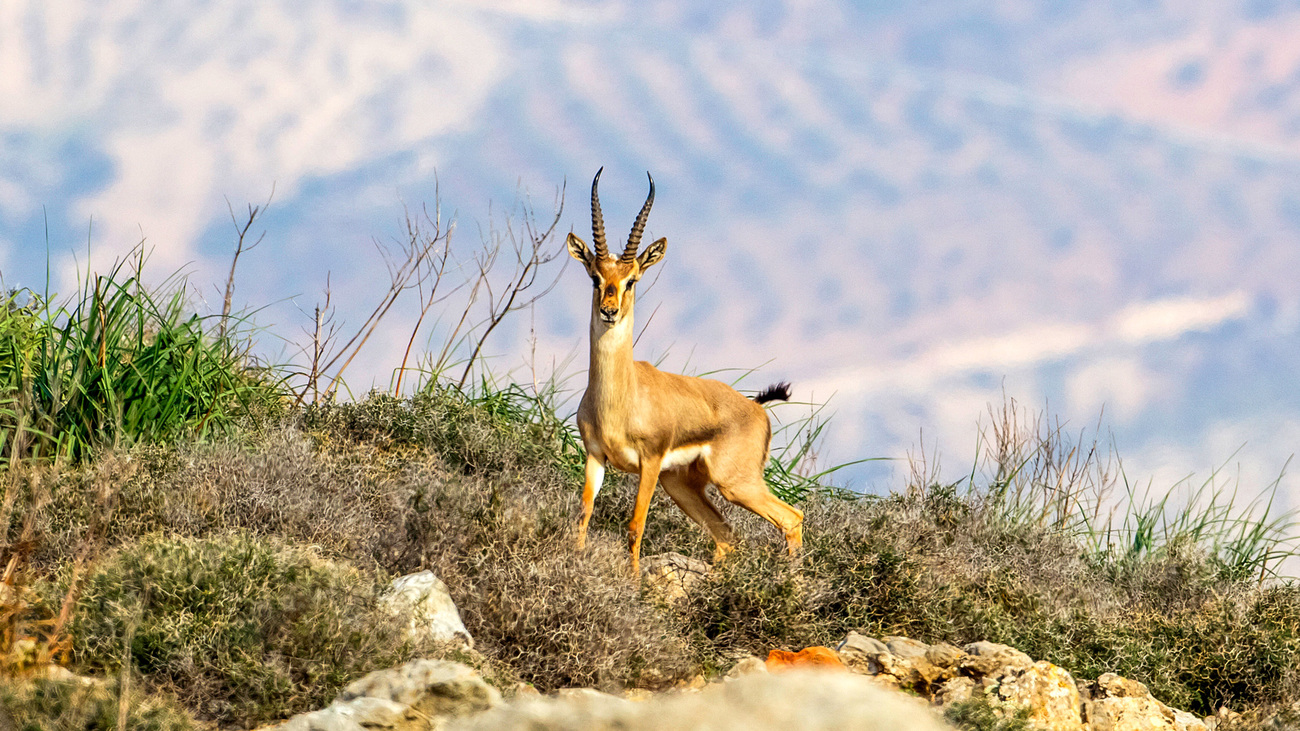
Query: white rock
[1114,703]
[433,615]
[905,647]
[990,658]
[422,695]
[954,690]
[863,654]
[326,719]
[747,666]
[672,575]
[1048,691]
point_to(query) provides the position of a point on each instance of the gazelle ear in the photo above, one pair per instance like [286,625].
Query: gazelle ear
[578,248]
[652,254]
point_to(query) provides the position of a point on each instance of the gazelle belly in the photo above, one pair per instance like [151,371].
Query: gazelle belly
[682,456]
[679,457]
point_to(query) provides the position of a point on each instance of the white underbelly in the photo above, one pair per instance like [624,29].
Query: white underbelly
[679,457]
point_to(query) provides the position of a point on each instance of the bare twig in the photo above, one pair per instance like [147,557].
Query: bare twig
[241,245]
[412,268]
[533,250]
[423,262]
[433,277]
[321,337]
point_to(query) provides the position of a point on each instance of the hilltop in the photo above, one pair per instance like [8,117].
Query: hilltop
[210,536]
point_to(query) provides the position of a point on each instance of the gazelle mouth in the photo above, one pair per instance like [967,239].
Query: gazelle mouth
[608,319]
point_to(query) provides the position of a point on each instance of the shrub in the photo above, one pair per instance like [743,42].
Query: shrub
[74,705]
[350,500]
[242,630]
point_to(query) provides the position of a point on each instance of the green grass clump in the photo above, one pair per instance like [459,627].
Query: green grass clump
[241,630]
[120,364]
[77,705]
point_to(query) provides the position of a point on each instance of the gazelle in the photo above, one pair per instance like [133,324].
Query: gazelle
[682,431]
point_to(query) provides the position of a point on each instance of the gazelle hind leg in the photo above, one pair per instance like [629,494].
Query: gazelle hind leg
[754,496]
[687,489]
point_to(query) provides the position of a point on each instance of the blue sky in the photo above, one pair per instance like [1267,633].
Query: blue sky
[909,211]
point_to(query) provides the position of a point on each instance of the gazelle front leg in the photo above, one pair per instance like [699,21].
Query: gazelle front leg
[650,466]
[595,477]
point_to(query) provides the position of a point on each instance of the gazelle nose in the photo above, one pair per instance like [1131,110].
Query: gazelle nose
[608,312]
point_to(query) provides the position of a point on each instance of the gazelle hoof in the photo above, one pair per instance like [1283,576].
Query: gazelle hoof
[721,550]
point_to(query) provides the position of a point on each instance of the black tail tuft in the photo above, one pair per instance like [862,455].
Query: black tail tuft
[777,392]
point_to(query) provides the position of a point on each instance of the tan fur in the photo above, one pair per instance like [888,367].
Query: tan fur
[682,431]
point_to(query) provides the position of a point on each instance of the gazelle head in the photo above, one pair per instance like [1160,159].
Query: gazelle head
[615,279]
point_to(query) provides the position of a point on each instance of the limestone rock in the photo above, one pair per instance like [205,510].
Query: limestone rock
[905,647]
[1225,718]
[585,696]
[323,720]
[1184,721]
[1114,686]
[1050,694]
[747,666]
[759,702]
[1113,703]
[374,713]
[990,658]
[421,695]
[861,653]
[1011,680]
[954,690]
[433,615]
[905,660]
[430,687]
[672,575]
[944,655]
[696,683]
[638,695]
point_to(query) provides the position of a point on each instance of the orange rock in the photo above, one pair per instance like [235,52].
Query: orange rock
[822,658]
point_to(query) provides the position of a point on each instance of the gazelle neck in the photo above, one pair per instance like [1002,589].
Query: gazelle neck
[611,378]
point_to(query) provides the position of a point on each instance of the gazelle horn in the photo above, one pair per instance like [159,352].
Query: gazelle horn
[638,226]
[597,221]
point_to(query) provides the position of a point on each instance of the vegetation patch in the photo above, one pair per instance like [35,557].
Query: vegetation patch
[56,705]
[118,364]
[242,630]
[160,492]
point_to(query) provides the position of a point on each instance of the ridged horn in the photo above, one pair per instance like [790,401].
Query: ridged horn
[598,221]
[638,226]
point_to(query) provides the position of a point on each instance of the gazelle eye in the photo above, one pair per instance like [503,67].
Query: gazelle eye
[630,282]
[595,282]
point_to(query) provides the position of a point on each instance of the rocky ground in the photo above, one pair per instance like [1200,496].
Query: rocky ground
[863,683]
